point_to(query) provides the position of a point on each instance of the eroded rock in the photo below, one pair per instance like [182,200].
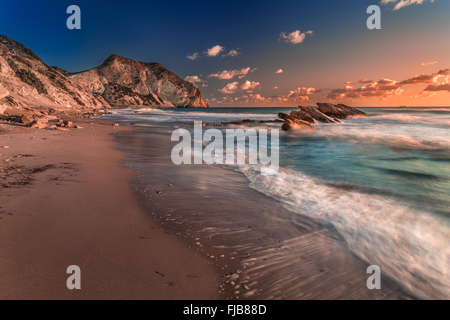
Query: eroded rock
[340,111]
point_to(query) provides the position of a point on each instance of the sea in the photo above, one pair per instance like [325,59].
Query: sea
[383,182]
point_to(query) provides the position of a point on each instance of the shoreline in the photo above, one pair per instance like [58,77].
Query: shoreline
[61,206]
[205,236]
[264,250]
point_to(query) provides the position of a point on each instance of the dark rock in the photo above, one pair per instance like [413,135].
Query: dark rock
[68,124]
[302,116]
[231,123]
[297,126]
[283,116]
[340,111]
[317,115]
[326,113]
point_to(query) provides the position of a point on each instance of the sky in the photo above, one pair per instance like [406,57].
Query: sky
[256,53]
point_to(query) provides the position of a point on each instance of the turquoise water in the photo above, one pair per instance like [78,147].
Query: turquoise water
[383,182]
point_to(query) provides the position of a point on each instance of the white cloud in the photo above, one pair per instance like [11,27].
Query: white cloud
[232,53]
[214,51]
[301,94]
[194,56]
[233,87]
[229,88]
[295,37]
[402,3]
[227,75]
[193,79]
[245,99]
[249,85]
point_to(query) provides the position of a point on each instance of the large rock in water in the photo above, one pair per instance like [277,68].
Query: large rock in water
[326,113]
[340,111]
[301,115]
[318,116]
[127,83]
[297,126]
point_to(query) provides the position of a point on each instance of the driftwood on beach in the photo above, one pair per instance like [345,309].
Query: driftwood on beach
[301,121]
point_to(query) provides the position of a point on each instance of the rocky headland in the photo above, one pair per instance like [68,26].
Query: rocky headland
[44,94]
[126,83]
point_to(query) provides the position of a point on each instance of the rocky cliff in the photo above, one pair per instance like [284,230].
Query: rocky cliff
[26,81]
[127,83]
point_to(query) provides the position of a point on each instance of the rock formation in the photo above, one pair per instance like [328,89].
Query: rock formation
[340,111]
[300,121]
[26,81]
[126,83]
[297,126]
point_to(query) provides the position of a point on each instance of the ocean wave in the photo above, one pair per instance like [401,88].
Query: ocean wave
[396,137]
[409,246]
[406,118]
[416,109]
[184,116]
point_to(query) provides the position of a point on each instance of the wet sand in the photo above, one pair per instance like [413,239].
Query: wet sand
[65,200]
[176,232]
[264,251]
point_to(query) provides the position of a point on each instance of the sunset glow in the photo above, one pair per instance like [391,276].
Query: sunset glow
[309,51]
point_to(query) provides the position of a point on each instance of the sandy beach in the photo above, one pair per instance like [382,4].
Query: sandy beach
[262,250]
[164,151]
[65,200]
[159,231]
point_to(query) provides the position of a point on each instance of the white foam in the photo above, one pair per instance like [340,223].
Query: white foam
[409,246]
[395,136]
[407,118]
[158,115]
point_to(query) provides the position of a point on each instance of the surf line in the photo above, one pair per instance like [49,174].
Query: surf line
[236,147]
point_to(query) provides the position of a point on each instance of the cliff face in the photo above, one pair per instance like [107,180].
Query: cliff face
[126,83]
[26,81]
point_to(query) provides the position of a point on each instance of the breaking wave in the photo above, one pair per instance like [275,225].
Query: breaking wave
[400,136]
[409,246]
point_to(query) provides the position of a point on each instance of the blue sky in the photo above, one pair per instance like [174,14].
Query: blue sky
[337,49]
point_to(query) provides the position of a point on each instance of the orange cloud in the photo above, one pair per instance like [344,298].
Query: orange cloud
[233,87]
[229,88]
[385,88]
[442,87]
[249,85]
[381,88]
